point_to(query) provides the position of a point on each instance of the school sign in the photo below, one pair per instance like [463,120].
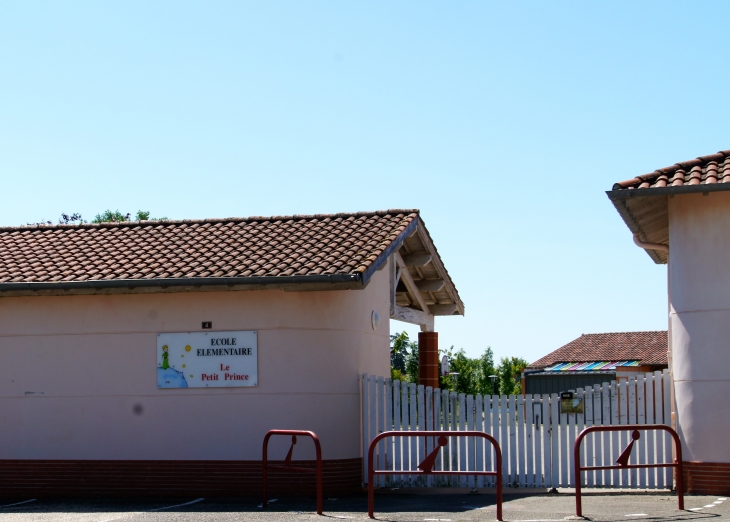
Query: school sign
[207,359]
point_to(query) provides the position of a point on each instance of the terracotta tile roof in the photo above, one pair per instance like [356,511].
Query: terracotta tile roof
[647,347]
[705,170]
[336,248]
[642,203]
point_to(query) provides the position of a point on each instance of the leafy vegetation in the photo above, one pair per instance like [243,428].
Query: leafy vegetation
[117,217]
[403,358]
[108,216]
[111,217]
[474,374]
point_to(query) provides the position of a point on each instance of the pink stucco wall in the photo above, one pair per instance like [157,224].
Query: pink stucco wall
[73,369]
[699,294]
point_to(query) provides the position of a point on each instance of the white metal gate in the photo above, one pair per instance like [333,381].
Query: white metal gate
[536,439]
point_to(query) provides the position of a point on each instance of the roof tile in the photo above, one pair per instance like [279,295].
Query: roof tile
[705,170]
[273,246]
[647,347]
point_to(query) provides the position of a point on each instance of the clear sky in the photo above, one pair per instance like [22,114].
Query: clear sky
[504,123]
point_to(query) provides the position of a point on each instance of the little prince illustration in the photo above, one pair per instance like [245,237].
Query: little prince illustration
[165,363]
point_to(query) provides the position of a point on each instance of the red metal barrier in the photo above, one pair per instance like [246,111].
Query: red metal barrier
[426,467]
[623,460]
[287,461]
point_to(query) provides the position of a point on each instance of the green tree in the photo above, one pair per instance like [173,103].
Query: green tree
[398,351]
[71,219]
[109,216]
[473,374]
[510,374]
[403,358]
[144,215]
[485,363]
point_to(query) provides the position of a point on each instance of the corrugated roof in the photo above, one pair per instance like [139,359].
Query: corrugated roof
[642,347]
[598,366]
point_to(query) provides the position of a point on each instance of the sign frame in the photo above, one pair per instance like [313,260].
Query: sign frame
[208,359]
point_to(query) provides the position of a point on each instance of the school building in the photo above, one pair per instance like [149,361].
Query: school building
[680,215]
[152,357]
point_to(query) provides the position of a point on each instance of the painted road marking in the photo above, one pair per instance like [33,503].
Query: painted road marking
[709,505]
[134,513]
[18,503]
[695,509]
[722,498]
[636,515]
[177,505]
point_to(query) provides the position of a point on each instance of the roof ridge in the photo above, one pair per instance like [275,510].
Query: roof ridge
[628,332]
[130,224]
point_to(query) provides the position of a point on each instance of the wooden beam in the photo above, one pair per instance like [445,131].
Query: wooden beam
[393,284]
[450,288]
[413,290]
[430,285]
[413,316]
[417,259]
[443,309]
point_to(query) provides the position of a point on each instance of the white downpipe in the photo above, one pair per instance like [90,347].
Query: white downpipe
[650,246]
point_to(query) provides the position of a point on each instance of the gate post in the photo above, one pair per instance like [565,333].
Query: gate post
[428,359]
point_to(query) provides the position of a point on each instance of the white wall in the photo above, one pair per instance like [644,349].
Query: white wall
[699,289]
[73,368]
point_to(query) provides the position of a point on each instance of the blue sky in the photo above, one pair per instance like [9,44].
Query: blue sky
[504,123]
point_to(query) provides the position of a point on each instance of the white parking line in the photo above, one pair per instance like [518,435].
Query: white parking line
[722,498]
[694,509]
[709,505]
[177,505]
[18,503]
[636,515]
[135,513]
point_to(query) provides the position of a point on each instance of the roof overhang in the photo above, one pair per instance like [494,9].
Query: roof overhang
[194,284]
[420,286]
[646,211]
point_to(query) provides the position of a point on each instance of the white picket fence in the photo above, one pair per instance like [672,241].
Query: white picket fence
[536,439]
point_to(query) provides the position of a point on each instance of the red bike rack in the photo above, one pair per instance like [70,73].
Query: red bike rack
[426,467]
[287,461]
[623,460]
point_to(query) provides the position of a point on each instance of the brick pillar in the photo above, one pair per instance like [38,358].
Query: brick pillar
[428,359]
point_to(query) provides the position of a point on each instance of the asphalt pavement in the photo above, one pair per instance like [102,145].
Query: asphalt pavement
[388,507]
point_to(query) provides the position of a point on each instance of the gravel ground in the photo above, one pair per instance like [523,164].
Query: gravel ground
[390,507]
